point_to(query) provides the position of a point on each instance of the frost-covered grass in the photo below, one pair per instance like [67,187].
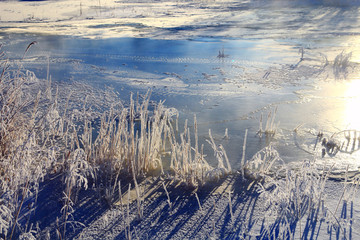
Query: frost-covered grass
[43,135]
[341,65]
[270,126]
[26,150]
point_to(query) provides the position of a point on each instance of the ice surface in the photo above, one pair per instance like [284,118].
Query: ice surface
[231,92]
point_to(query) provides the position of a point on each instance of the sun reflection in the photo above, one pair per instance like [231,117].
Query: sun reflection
[351,112]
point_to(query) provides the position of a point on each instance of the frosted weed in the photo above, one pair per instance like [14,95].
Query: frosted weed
[341,65]
[262,164]
[270,126]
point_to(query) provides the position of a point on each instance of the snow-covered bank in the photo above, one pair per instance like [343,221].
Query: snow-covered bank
[231,208]
[181,19]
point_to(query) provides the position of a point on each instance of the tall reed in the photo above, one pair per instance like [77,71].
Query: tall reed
[25,155]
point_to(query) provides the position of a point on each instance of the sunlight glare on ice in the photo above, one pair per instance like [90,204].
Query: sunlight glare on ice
[351,109]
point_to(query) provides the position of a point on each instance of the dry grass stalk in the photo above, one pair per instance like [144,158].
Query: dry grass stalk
[198,201]
[167,195]
[230,208]
[243,155]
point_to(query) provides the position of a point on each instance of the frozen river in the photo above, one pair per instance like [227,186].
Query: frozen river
[297,61]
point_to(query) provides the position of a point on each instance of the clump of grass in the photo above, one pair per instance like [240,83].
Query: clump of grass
[130,140]
[24,156]
[36,139]
[270,126]
[189,164]
[224,167]
[222,54]
[341,65]
[261,164]
[294,194]
[300,193]
[75,177]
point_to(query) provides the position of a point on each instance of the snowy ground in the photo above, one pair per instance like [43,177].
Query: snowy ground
[205,213]
[319,27]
